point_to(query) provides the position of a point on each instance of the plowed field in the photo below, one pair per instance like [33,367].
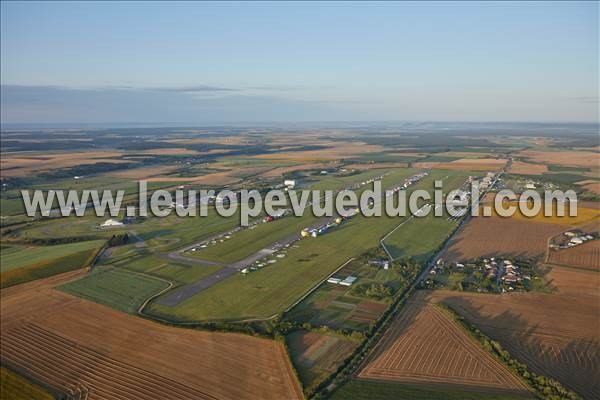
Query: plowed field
[83,348]
[424,345]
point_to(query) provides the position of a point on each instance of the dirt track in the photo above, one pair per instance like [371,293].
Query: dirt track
[76,346]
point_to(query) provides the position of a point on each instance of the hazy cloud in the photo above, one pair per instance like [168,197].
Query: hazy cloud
[193,89]
[586,99]
[56,104]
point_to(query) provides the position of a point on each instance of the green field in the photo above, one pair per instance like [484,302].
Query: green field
[272,289]
[24,256]
[25,263]
[419,238]
[16,387]
[117,288]
[142,260]
[359,389]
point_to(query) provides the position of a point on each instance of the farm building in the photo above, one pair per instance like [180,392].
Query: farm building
[335,281]
[577,240]
[382,263]
[348,281]
[111,222]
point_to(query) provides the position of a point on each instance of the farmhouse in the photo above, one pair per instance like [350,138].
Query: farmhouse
[111,222]
[335,281]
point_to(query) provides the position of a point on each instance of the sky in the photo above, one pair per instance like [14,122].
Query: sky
[196,63]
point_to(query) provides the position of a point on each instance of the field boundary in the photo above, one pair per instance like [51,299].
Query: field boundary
[318,284]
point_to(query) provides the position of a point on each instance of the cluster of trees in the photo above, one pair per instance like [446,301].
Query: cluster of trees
[374,291]
[545,388]
[52,241]
[118,240]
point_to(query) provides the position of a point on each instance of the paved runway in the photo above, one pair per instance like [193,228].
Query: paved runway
[182,293]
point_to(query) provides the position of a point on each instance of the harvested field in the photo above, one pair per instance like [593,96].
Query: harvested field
[217,178]
[425,345]
[476,164]
[368,389]
[570,158]
[593,187]
[228,140]
[79,347]
[277,172]
[175,151]
[586,213]
[466,164]
[554,334]
[368,166]
[586,255]
[335,152]
[523,168]
[493,236]
[22,165]
[143,172]
[574,282]
[317,355]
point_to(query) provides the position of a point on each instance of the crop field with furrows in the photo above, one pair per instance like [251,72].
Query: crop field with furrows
[494,236]
[18,165]
[586,255]
[466,164]
[317,355]
[568,158]
[556,335]
[524,168]
[424,344]
[80,348]
[370,389]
